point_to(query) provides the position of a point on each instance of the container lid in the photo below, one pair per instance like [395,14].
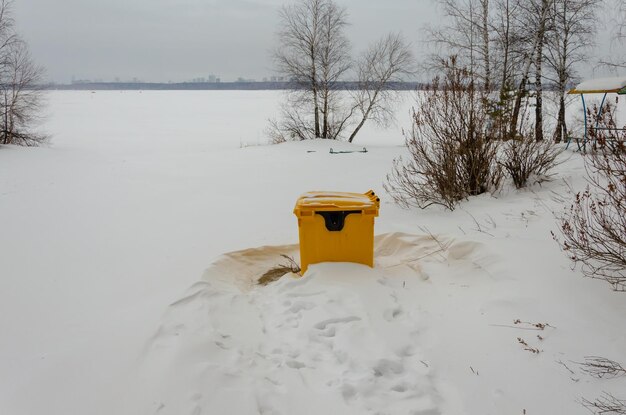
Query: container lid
[337,201]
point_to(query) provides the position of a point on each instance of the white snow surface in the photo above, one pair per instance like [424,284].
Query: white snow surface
[601,84]
[131,245]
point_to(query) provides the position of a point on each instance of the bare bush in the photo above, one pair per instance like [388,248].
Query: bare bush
[594,227]
[606,404]
[603,129]
[528,157]
[451,157]
[601,367]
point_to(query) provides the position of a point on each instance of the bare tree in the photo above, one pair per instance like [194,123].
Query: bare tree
[20,79]
[621,25]
[7,32]
[21,97]
[534,42]
[466,35]
[617,9]
[538,6]
[573,24]
[503,37]
[314,54]
[387,61]
[335,61]
[507,41]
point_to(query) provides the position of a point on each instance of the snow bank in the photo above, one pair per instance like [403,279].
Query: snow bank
[334,341]
[140,192]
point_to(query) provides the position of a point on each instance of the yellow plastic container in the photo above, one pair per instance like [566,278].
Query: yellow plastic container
[336,227]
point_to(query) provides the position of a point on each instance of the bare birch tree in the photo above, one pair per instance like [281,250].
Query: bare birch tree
[617,61]
[466,35]
[534,39]
[387,61]
[20,86]
[538,7]
[314,54]
[334,61]
[573,30]
[21,97]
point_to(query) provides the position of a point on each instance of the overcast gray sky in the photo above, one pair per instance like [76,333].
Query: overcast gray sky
[177,40]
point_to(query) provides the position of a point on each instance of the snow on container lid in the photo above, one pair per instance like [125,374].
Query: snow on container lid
[601,85]
[311,202]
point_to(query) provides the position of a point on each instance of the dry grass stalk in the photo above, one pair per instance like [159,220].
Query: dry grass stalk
[279,270]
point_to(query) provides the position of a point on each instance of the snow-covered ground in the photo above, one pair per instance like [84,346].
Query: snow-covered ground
[129,248]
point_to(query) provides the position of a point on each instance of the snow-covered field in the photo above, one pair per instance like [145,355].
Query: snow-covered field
[129,248]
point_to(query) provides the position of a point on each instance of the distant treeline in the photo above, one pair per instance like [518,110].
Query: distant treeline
[232,86]
[217,86]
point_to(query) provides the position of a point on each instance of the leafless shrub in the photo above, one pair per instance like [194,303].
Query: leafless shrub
[528,157]
[594,228]
[601,367]
[606,404]
[274,132]
[451,157]
[603,129]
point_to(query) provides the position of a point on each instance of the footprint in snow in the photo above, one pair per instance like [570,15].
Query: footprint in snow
[340,320]
[393,313]
[294,364]
[301,305]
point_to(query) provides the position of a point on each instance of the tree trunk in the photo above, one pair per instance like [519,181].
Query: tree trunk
[506,48]
[560,134]
[325,116]
[538,75]
[365,117]
[314,89]
[518,101]
[356,130]
[317,113]
[485,33]
[6,120]
[538,105]
[530,59]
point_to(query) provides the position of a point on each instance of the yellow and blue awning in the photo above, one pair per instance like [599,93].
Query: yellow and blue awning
[615,85]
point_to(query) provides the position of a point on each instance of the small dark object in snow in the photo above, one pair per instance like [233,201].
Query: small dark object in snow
[348,151]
